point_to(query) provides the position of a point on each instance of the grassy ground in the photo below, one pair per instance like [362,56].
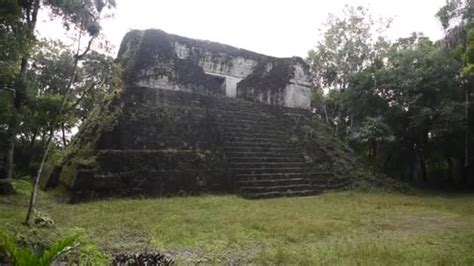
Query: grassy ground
[333,228]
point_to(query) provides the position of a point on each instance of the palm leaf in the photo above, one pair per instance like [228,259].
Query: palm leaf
[8,246]
[16,255]
[25,257]
[58,249]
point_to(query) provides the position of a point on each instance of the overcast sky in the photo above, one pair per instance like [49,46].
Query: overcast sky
[280,28]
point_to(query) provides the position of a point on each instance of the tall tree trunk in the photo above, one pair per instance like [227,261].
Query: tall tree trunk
[374,155]
[326,113]
[31,16]
[10,157]
[466,135]
[17,99]
[423,165]
[415,166]
[63,131]
[450,169]
[33,139]
[387,161]
[36,184]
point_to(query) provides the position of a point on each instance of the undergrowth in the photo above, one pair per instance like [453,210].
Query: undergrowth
[334,228]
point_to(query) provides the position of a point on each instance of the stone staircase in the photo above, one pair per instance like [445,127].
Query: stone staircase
[262,161]
[256,156]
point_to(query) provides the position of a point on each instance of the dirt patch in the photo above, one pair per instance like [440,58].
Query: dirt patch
[430,222]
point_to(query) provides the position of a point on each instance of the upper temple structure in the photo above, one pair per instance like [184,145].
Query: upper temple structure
[202,117]
[159,60]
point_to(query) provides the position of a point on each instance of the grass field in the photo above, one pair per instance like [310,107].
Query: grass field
[333,228]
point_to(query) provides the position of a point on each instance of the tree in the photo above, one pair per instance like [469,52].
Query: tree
[81,14]
[48,75]
[372,132]
[457,18]
[18,23]
[349,45]
[417,82]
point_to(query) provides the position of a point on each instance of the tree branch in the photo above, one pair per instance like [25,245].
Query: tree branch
[78,101]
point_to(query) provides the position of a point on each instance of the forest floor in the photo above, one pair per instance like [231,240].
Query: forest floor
[332,228]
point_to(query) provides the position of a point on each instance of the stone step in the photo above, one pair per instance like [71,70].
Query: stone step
[235,129]
[237,160]
[276,170]
[258,148]
[261,154]
[253,127]
[266,176]
[243,121]
[319,173]
[276,144]
[283,188]
[251,115]
[302,173]
[331,184]
[320,185]
[266,165]
[230,138]
[276,194]
[272,182]
[236,106]
[276,136]
[261,109]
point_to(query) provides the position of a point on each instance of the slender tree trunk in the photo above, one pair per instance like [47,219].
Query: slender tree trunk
[33,139]
[451,175]
[466,135]
[11,145]
[17,99]
[386,162]
[415,165]
[63,131]
[423,165]
[374,155]
[326,113]
[33,196]
[36,185]
[10,157]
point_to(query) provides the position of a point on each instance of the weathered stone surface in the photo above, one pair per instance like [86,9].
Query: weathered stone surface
[202,117]
[156,59]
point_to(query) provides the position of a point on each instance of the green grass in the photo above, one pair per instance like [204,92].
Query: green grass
[333,228]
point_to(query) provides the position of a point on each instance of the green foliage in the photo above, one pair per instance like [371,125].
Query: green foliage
[96,80]
[348,45]
[82,14]
[26,257]
[455,13]
[42,220]
[23,185]
[468,55]
[412,87]
[80,152]
[400,103]
[373,129]
[31,90]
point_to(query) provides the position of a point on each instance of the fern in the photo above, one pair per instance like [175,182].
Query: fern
[21,256]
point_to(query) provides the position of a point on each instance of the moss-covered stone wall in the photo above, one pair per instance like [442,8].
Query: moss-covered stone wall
[159,143]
